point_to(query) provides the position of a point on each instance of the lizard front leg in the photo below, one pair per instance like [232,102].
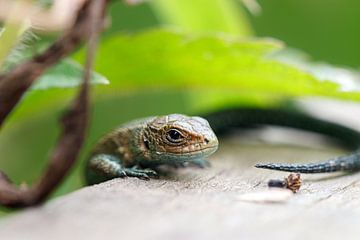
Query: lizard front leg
[103,167]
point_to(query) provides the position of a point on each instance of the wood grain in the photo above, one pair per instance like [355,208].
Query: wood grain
[204,203]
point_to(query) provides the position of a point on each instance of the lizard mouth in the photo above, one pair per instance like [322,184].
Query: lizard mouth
[201,153]
[209,150]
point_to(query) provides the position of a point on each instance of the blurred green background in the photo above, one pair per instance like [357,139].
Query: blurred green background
[325,29]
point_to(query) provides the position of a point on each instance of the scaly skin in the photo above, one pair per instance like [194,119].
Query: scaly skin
[138,148]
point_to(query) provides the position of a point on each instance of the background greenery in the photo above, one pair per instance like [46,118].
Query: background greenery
[140,84]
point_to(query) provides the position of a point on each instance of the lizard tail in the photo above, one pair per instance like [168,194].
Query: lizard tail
[224,120]
[345,163]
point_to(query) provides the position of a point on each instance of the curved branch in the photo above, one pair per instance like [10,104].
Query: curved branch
[74,123]
[14,84]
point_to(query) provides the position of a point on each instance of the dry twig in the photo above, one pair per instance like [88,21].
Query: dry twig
[15,83]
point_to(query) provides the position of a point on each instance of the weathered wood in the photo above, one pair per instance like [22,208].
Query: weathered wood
[203,203]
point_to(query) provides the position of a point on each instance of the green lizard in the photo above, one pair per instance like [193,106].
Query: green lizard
[136,149]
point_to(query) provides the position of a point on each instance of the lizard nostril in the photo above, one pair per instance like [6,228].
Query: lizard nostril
[206,141]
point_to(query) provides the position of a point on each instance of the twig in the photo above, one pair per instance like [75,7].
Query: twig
[76,120]
[14,84]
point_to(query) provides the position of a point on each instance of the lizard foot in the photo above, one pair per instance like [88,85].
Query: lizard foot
[135,171]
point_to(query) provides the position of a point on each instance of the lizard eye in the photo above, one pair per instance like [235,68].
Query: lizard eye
[146,143]
[174,136]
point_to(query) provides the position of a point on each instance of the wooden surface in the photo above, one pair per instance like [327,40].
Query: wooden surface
[230,200]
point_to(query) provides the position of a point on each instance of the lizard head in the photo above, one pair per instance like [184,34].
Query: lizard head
[179,138]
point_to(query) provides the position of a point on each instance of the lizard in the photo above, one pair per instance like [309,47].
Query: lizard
[135,149]
[138,148]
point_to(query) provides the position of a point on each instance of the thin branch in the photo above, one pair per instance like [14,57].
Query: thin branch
[15,83]
[74,123]
[76,120]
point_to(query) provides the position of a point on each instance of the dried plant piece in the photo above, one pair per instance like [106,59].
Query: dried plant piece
[292,182]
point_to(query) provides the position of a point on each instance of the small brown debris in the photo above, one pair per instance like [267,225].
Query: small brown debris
[292,182]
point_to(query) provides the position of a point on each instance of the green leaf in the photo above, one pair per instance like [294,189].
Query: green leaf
[66,74]
[10,35]
[168,58]
[163,59]
[347,78]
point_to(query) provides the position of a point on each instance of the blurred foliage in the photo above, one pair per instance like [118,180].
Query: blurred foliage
[161,71]
[163,59]
[67,73]
[347,78]
[327,30]
[203,16]
[9,37]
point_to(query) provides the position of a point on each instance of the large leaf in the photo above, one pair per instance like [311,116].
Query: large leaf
[347,78]
[67,73]
[163,59]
